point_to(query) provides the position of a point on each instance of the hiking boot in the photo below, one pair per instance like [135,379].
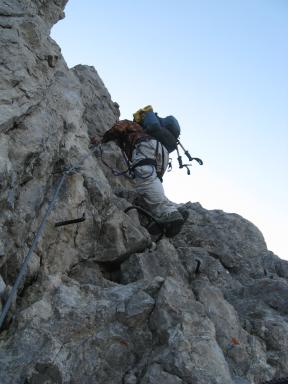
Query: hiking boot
[172,223]
[154,228]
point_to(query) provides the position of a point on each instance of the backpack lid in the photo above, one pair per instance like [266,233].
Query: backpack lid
[138,116]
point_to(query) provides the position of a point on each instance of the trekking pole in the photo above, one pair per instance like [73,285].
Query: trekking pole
[181,165]
[179,158]
[190,158]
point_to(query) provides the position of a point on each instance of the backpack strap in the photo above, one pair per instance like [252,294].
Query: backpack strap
[161,172]
[162,165]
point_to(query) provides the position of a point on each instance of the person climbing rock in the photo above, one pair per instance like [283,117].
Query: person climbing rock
[148,160]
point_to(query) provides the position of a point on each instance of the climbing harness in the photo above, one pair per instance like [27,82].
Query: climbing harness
[131,170]
[114,171]
[151,161]
[68,171]
[142,162]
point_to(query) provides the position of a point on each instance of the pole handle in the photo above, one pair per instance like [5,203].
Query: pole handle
[190,158]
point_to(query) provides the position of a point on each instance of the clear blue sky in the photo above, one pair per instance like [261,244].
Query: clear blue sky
[221,68]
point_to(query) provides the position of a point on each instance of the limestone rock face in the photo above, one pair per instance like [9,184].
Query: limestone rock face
[100,302]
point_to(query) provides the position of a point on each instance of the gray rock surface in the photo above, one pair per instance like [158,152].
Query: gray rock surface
[100,303]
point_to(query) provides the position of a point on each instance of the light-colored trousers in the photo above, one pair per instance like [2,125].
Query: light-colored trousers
[148,186]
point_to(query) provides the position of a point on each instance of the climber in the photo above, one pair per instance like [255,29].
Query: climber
[149,160]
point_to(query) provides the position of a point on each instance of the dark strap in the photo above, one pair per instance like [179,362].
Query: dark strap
[147,162]
[144,162]
[161,173]
[162,165]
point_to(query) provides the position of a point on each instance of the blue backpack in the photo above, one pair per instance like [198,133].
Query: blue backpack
[166,130]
